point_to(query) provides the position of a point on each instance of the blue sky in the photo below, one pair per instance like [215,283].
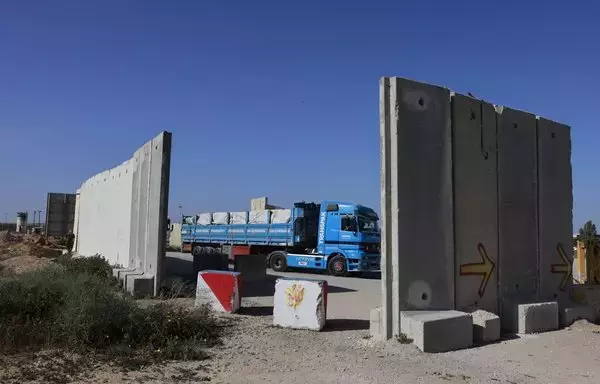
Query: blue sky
[276,98]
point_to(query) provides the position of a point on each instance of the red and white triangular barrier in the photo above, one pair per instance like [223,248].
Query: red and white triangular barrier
[221,289]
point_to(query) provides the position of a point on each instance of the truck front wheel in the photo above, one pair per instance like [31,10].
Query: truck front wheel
[197,251]
[337,266]
[278,261]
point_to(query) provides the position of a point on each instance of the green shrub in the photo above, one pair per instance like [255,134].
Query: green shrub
[75,305]
[94,265]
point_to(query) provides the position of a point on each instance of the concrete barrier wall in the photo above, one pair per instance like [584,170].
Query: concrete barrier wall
[122,215]
[475,203]
[486,189]
[517,214]
[416,199]
[555,210]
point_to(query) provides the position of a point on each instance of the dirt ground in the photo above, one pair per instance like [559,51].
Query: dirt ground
[24,253]
[256,352]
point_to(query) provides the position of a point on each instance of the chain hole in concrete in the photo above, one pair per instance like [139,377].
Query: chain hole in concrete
[553,135]
[424,296]
[473,116]
[421,101]
[515,125]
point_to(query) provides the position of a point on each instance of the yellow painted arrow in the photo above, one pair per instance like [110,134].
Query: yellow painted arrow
[566,267]
[484,269]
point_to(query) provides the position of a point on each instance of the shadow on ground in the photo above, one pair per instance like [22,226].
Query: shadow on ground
[257,311]
[184,269]
[337,325]
[266,287]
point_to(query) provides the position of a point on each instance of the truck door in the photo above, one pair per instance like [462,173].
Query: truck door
[348,229]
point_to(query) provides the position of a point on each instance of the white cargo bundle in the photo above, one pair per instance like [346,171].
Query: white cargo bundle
[205,219]
[220,218]
[281,216]
[238,217]
[259,217]
[189,220]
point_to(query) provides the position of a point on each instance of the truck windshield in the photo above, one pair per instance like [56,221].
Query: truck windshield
[367,224]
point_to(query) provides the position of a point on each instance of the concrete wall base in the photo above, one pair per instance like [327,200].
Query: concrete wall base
[252,267]
[486,326]
[140,285]
[438,331]
[375,326]
[119,273]
[537,317]
[568,315]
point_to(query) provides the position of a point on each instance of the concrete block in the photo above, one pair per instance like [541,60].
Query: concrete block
[252,267]
[139,284]
[119,272]
[517,211]
[214,261]
[300,304]
[475,203]
[415,128]
[537,317]
[438,331]
[555,194]
[588,295]
[375,326]
[569,315]
[220,289]
[486,326]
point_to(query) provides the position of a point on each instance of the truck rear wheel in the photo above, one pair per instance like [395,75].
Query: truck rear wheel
[197,250]
[278,261]
[337,266]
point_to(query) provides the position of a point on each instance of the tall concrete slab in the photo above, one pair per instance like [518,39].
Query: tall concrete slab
[517,215]
[475,203]
[60,213]
[416,191]
[555,197]
[121,214]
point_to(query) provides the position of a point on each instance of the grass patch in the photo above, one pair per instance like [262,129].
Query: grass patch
[403,339]
[76,306]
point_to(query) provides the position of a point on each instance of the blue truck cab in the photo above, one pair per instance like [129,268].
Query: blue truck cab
[340,237]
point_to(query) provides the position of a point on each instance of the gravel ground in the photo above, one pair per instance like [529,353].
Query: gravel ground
[254,351]
[257,352]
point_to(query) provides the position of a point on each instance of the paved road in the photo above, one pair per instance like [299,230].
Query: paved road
[349,297]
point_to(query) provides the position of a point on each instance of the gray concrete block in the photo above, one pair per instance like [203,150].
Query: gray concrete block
[486,326]
[140,285]
[569,315]
[252,267]
[537,317]
[438,331]
[118,272]
[214,261]
[375,326]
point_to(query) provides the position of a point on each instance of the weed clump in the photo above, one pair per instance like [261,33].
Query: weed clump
[75,305]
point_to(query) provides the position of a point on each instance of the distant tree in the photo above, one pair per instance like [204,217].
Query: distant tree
[589,237]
